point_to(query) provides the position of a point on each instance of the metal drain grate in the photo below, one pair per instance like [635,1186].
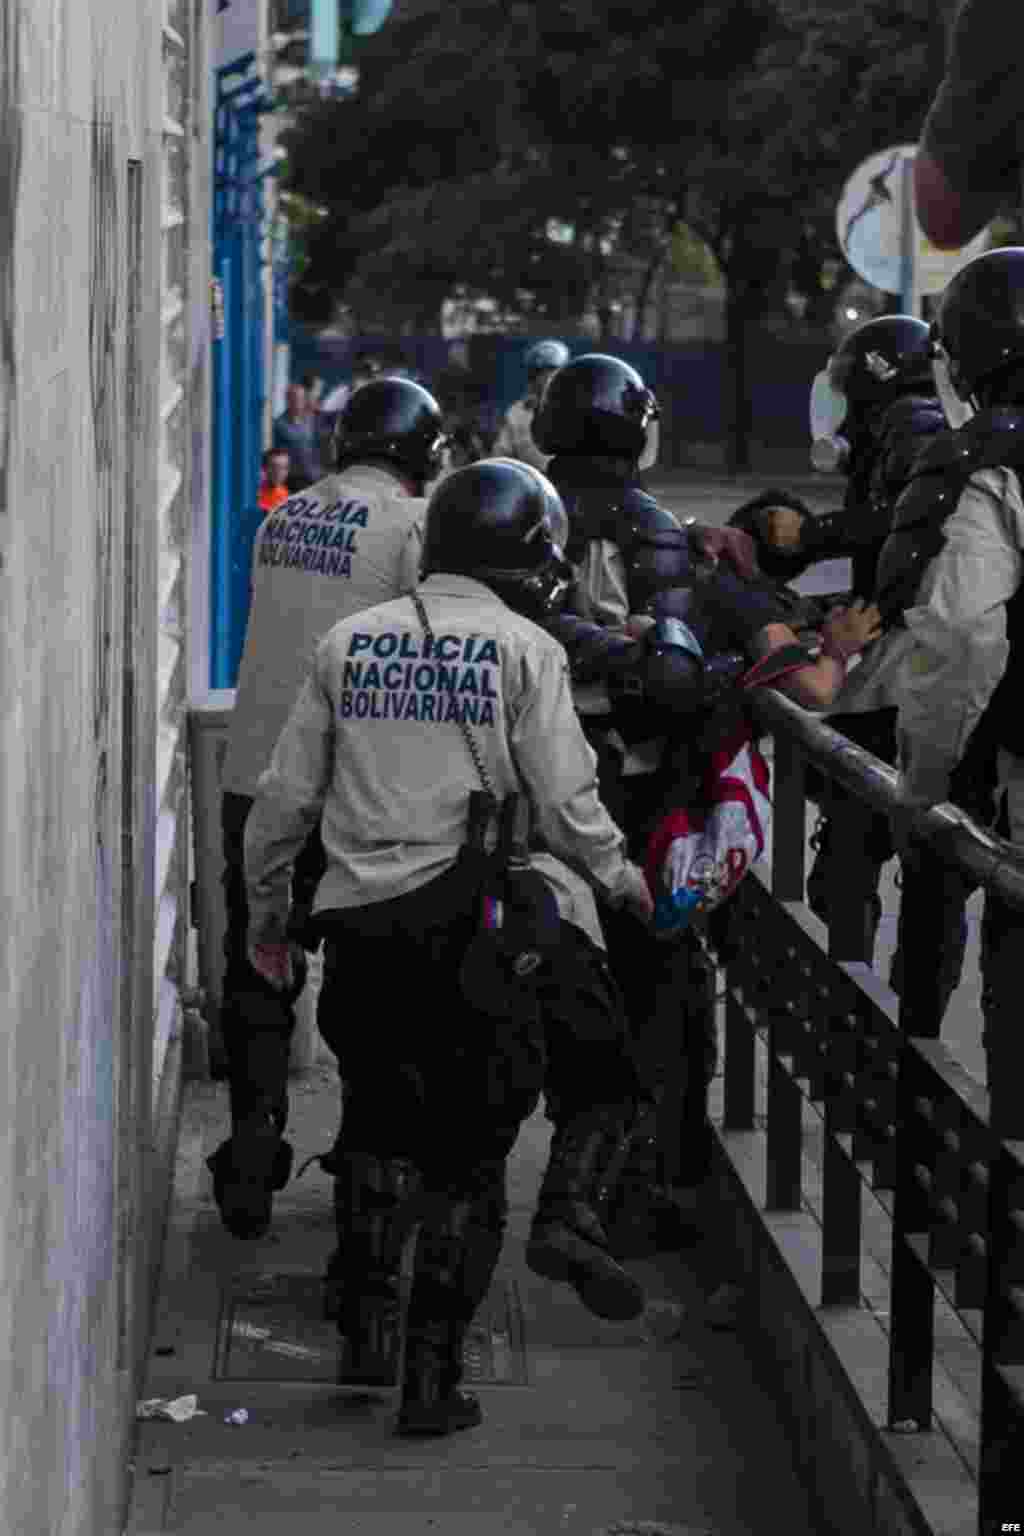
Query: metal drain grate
[272,1328]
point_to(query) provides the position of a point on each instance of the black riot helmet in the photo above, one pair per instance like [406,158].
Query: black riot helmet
[881,360]
[980,324]
[874,365]
[501,522]
[396,421]
[595,406]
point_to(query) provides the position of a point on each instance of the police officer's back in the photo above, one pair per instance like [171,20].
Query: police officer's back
[412,708]
[950,581]
[342,544]
[635,697]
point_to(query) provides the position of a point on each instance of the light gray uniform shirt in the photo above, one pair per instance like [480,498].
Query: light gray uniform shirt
[515,440]
[349,541]
[957,646]
[373,744]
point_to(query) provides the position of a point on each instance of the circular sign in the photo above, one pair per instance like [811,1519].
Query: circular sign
[869,218]
[870,225]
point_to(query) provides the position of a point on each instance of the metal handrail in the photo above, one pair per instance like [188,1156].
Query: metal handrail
[988,859]
[899,1113]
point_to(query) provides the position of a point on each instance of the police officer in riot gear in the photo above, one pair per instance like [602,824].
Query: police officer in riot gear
[413,708]
[949,580]
[873,408]
[515,439]
[661,629]
[348,541]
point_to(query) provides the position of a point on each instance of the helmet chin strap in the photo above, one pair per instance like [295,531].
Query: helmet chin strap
[958,412]
[539,590]
[649,457]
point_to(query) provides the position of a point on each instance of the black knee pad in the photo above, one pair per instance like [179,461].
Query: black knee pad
[373,1205]
[484,1237]
[444,1236]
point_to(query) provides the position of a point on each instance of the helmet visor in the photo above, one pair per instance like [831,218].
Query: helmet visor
[828,406]
[958,412]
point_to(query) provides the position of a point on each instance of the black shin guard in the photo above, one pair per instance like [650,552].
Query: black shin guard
[374,1209]
[453,1246]
[567,1241]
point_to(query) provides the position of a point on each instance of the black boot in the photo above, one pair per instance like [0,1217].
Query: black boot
[247,1170]
[449,1281]
[432,1403]
[374,1208]
[567,1241]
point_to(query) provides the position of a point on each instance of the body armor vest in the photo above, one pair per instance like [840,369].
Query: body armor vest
[882,459]
[656,550]
[993,439]
[665,578]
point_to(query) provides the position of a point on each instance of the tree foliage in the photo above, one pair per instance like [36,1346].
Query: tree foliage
[526,151]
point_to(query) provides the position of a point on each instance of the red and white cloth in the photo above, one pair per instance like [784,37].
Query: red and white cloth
[697,855]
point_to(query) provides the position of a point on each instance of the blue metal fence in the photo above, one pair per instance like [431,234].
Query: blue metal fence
[239,368]
[688,378]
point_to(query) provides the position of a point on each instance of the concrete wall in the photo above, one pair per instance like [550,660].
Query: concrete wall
[92,528]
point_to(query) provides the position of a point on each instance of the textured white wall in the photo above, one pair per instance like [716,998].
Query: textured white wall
[92,610]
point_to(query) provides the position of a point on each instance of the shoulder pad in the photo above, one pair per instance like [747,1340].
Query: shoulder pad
[643,515]
[621,516]
[593,514]
[914,416]
[991,439]
[907,434]
[930,496]
[941,452]
[995,438]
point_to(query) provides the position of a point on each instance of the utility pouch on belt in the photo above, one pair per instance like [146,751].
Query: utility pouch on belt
[518,926]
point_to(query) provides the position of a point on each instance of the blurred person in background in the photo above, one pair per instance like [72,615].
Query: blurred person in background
[275,466]
[459,390]
[313,384]
[296,431]
[515,437]
[364,368]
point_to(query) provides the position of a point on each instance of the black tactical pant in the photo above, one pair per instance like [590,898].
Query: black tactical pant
[1002,945]
[435,1091]
[932,940]
[932,931]
[668,987]
[854,842]
[256,1021]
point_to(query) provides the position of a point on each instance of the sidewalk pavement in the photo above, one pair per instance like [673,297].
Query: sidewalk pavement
[590,1428]
[700,490]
